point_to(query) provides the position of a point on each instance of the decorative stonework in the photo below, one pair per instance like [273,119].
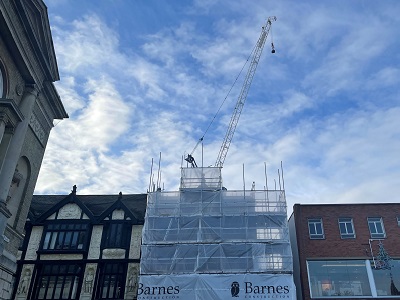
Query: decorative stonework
[132,281]
[38,129]
[24,282]
[89,278]
[69,211]
[61,256]
[34,242]
[94,249]
[136,240]
[19,89]
[113,253]
[118,214]
[10,113]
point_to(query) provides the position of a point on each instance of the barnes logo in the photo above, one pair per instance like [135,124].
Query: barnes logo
[235,288]
[280,291]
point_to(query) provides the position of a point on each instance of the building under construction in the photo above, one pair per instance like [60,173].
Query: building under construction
[207,242]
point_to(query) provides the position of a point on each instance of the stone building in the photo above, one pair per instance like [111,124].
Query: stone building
[346,251]
[81,247]
[28,105]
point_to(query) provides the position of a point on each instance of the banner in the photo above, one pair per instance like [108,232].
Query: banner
[216,287]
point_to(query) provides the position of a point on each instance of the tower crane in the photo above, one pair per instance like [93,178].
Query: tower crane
[245,90]
[242,97]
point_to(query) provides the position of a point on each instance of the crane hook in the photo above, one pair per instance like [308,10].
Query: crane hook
[273,48]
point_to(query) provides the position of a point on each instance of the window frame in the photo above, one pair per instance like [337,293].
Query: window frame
[110,235]
[335,288]
[316,235]
[110,276]
[58,274]
[347,221]
[56,233]
[375,221]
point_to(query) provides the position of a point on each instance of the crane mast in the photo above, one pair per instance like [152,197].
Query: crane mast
[244,91]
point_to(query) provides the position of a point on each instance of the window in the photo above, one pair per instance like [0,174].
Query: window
[338,279]
[111,281]
[376,228]
[58,282]
[117,235]
[346,228]
[387,281]
[335,279]
[269,233]
[316,229]
[398,221]
[64,236]
[272,261]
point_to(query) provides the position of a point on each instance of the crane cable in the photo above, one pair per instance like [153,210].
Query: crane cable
[219,109]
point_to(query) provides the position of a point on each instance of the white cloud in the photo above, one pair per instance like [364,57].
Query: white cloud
[326,104]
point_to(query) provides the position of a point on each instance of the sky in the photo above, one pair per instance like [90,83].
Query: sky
[144,79]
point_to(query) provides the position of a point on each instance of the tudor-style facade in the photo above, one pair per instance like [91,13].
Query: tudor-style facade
[29,103]
[81,247]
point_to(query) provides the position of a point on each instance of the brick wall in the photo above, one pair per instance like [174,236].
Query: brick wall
[335,247]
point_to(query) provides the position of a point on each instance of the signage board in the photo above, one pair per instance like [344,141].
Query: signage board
[216,286]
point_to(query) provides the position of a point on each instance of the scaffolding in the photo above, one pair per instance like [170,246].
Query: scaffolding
[204,229]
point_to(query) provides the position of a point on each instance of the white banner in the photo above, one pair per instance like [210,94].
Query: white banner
[216,286]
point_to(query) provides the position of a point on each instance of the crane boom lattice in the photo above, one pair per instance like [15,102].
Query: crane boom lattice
[244,91]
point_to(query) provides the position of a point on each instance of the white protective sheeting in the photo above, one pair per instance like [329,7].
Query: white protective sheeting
[194,236]
[216,258]
[217,287]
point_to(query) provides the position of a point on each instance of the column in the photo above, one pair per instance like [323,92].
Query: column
[14,151]
[371,278]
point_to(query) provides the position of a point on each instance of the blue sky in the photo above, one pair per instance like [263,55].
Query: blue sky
[143,77]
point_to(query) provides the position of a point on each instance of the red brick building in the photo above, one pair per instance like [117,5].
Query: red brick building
[346,251]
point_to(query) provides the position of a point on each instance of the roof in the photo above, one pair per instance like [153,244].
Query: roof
[42,205]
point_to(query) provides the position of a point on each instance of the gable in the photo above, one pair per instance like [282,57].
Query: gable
[117,211]
[68,211]
[70,207]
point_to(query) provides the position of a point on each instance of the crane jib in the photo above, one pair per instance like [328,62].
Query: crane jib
[243,94]
[241,99]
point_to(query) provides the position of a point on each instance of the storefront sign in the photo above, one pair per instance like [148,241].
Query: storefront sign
[216,286]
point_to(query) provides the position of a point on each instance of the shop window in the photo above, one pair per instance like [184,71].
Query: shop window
[316,229]
[58,282]
[65,236]
[346,228]
[111,281]
[117,235]
[338,279]
[387,281]
[376,228]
